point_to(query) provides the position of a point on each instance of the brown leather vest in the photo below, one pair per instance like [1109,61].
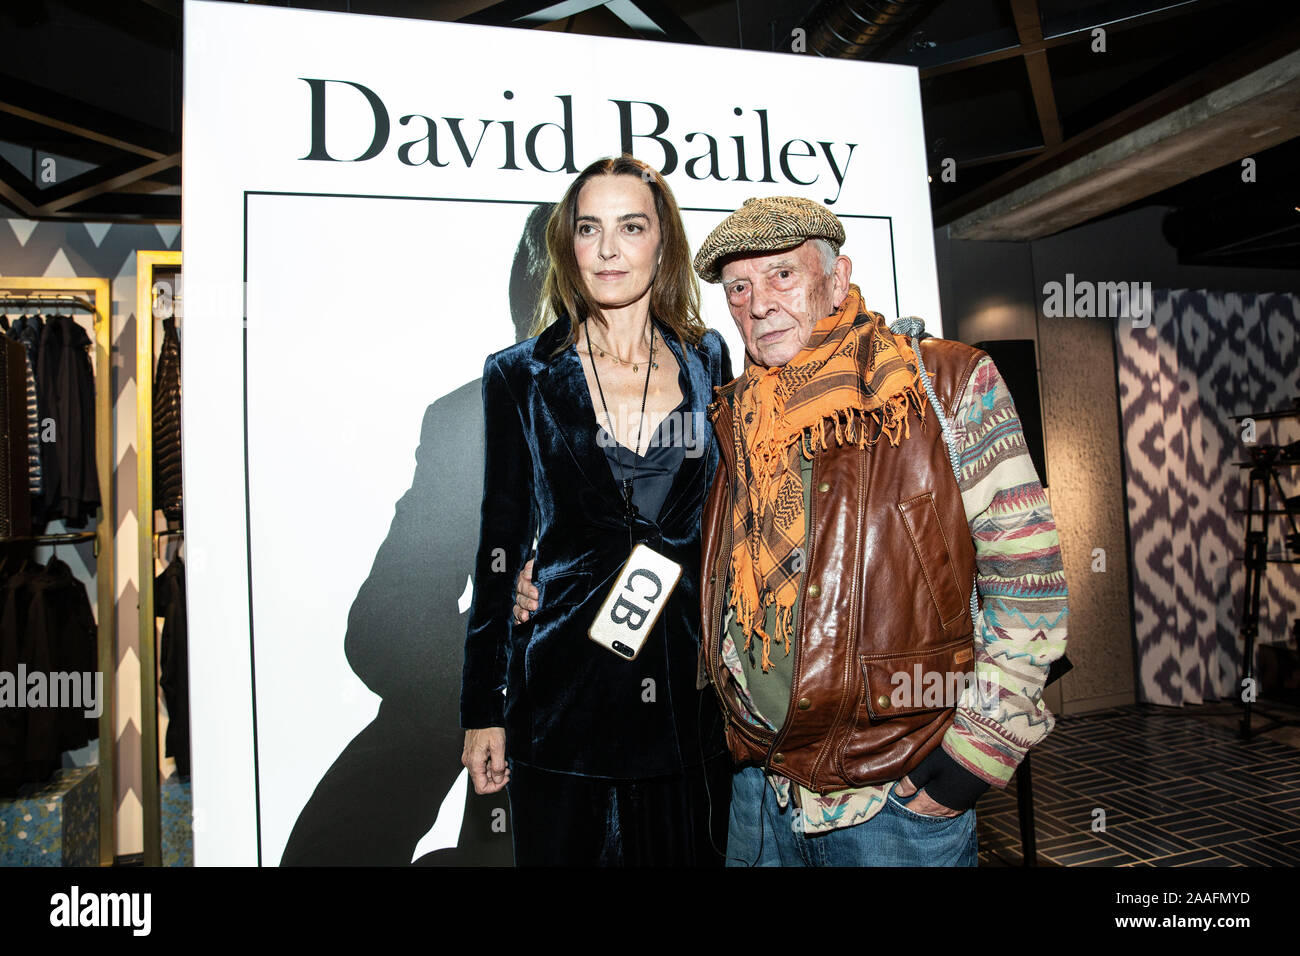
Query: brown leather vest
[886,588]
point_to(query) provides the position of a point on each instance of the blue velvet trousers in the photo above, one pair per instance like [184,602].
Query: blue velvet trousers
[561,819]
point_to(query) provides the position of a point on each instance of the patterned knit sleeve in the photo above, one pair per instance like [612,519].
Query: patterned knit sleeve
[1021,581]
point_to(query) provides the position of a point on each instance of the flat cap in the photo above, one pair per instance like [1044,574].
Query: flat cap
[766,225]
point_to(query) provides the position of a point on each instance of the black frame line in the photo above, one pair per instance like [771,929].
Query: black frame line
[248,546]
[248,526]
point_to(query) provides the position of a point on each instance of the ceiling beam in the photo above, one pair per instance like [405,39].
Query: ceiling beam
[1000,157]
[649,18]
[16,189]
[1030,30]
[100,181]
[144,212]
[1187,90]
[150,187]
[1222,126]
[76,130]
[654,19]
[1114,24]
[71,116]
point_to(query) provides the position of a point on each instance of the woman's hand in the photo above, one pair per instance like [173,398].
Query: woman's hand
[485,758]
[525,593]
[485,749]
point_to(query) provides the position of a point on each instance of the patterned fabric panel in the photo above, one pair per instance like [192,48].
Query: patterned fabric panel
[1205,357]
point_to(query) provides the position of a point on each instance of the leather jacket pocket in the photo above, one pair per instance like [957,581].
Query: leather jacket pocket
[916,681]
[930,542]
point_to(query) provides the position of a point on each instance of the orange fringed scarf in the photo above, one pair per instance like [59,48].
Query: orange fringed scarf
[853,382]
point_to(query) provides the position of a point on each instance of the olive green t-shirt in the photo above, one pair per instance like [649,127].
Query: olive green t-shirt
[770,691]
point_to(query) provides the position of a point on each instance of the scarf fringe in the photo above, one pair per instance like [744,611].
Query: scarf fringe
[850,426]
[746,612]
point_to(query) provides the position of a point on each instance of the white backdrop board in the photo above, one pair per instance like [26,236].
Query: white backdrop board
[359,192]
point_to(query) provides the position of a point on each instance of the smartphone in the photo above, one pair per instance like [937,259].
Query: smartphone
[634,603]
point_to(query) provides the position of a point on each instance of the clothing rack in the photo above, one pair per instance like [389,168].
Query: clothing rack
[69,538]
[70,300]
[94,295]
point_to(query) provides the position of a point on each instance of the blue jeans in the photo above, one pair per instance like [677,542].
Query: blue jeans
[761,833]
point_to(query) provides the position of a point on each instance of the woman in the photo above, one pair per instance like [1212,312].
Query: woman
[596,440]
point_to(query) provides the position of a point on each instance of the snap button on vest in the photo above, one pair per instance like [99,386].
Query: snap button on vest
[814,590]
[778,758]
[804,703]
[882,701]
[824,486]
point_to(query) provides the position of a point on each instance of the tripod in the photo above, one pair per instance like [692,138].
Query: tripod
[1263,479]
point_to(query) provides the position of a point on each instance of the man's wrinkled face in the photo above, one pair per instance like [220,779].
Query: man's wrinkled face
[776,298]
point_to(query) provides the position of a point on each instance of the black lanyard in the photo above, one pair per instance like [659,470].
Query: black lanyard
[629,509]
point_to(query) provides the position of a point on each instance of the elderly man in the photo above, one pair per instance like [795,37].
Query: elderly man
[870,484]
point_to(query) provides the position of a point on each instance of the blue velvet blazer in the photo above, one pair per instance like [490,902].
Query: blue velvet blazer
[569,704]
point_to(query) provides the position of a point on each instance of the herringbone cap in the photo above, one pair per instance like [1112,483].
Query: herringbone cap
[766,225]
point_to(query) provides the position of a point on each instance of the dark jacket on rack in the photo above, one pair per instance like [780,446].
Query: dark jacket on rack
[571,705]
[66,392]
[173,661]
[26,330]
[46,627]
[15,496]
[167,425]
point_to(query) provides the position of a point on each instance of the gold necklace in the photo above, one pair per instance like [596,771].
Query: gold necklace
[635,365]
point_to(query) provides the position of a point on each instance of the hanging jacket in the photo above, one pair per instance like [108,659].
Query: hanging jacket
[13,721]
[173,661]
[167,425]
[26,330]
[16,648]
[65,388]
[59,618]
[15,498]
[47,628]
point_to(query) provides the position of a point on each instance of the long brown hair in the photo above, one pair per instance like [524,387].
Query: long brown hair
[674,294]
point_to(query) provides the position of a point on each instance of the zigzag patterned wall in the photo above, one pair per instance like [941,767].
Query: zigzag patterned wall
[106,250]
[1205,357]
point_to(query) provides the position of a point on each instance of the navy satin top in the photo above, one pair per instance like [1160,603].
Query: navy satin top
[652,473]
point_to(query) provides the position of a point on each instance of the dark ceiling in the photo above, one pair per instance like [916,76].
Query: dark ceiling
[90,94]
